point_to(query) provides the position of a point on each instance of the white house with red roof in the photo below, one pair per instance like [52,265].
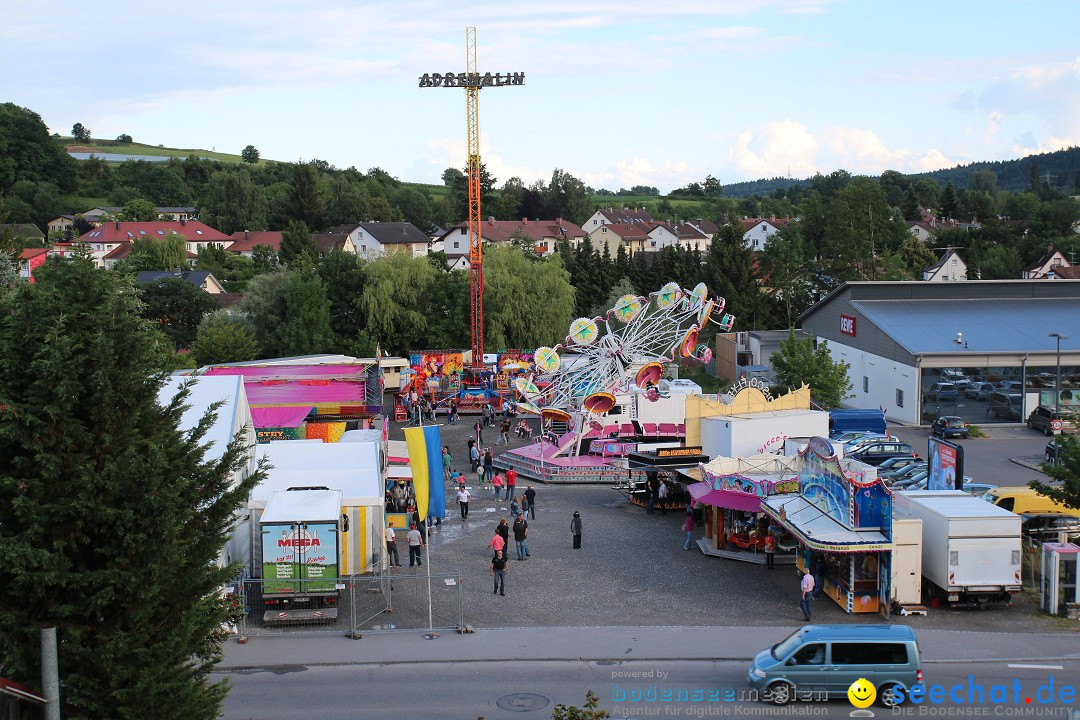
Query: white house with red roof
[632,236]
[611,216]
[31,258]
[691,238]
[245,241]
[1047,266]
[661,235]
[111,242]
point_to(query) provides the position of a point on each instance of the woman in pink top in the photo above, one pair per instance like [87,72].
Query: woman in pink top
[497,543]
[497,482]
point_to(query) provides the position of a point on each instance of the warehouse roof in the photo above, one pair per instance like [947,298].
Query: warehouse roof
[986,325]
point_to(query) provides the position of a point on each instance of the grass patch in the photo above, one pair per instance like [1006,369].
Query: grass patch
[107,147]
[976,432]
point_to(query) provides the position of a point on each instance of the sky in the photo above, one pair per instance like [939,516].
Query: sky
[616,93]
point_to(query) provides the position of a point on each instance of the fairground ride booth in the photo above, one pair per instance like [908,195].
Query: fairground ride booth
[842,517]
[645,469]
[731,490]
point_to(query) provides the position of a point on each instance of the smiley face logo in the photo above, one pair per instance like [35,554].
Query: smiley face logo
[862,693]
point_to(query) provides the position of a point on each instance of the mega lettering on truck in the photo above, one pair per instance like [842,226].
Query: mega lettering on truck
[301,558]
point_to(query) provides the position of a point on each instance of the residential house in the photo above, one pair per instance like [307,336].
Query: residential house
[632,236]
[920,230]
[757,231]
[706,227]
[27,232]
[245,241]
[199,278]
[29,259]
[689,237]
[1046,267]
[544,235]
[393,237]
[610,216]
[660,235]
[107,239]
[325,242]
[950,267]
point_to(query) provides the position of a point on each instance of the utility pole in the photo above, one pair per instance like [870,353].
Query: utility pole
[473,81]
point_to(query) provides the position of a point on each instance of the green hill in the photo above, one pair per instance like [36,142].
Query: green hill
[115,147]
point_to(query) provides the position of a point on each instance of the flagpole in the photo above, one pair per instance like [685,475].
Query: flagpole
[431,625]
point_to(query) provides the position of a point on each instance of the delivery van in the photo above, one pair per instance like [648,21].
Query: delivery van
[828,659]
[1025,501]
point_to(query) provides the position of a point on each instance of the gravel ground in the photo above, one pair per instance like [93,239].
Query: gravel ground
[632,569]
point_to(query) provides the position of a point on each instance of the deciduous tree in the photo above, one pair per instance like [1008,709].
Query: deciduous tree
[225,337]
[250,154]
[80,132]
[1065,471]
[797,362]
[176,307]
[526,303]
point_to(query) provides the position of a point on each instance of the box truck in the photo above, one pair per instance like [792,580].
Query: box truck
[300,556]
[970,549]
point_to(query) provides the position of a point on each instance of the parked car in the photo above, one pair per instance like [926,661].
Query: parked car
[957,378]
[979,390]
[895,464]
[1052,451]
[852,436]
[1006,404]
[942,391]
[948,426]
[912,482]
[875,453]
[897,476]
[1042,417]
[1007,385]
[978,490]
[849,446]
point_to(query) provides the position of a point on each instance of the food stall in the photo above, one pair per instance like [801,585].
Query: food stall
[842,517]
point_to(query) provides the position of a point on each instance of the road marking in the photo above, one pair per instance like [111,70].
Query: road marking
[1035,667]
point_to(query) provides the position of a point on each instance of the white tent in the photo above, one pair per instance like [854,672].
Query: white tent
[234,416]
[352,468]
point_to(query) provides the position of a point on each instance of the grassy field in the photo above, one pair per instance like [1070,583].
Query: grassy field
[104,147]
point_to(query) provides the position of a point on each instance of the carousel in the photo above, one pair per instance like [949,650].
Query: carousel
[574,387]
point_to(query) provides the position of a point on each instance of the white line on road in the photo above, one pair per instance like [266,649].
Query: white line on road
[1036,667]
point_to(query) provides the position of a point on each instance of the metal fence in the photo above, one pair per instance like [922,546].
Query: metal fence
[354,605]
[1031,565]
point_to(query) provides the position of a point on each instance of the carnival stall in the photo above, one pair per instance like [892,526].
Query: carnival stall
[732,490]
[842,517]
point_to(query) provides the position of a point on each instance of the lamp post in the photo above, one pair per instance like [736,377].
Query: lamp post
[1057,388]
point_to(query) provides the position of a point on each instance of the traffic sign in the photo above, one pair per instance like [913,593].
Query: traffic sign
[1056,425]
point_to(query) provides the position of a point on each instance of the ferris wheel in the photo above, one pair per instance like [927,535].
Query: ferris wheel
[627,347]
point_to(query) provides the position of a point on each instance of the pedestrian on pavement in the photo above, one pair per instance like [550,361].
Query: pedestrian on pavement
[515,507]
[463,501]
[575,529]
[530,500]
[511,483]
[420,524]
[451,412]
[489,465]
[521,535]
[504,532]
[497,543]
[661,495]
[479,428]
[480,475]
[770,550]
[819,575]
[497,483]
[447,461]
[391,547]
[688,528]
[504,432]
[416,541]
[474,454]
[807,588]
[498,571]
[651,488]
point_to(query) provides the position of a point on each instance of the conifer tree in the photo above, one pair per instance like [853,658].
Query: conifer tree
[112,518]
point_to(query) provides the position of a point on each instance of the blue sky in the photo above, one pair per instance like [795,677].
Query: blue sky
[616,93]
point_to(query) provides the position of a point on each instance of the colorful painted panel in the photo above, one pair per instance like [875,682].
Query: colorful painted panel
[328,432]
[265,435]
[292,553]
[822,482]
[874,507]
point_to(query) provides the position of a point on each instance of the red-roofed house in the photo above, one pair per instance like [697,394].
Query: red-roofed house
[244,241]
[1046,266]
[632,236]
[757,231]
[690,237]
[29,259]
[544,234]
[610,216]
[107,238]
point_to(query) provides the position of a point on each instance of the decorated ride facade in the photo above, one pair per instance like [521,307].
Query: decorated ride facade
[841,516]
[440,376]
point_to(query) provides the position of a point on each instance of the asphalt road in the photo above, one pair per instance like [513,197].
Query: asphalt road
[530,689]
[990,459]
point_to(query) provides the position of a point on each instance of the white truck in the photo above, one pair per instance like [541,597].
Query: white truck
[971,549]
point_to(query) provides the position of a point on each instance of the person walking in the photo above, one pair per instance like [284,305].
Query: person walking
[511,483]
[474,454]
[489,465]
[575,529]
[416,541]
[504,432]
[498,571]
[515,507]
[688,528]
[497,483]
[504,532]
[463,501]
[661,495]
[392,558]
[447,461]
[453,414]
[497,543]
[651,489]
[770,550]
[807,588]
[530,501]
[521,535]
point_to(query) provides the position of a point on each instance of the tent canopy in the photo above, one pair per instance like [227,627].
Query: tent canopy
[352,468]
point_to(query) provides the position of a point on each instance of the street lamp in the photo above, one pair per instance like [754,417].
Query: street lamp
[1057,392]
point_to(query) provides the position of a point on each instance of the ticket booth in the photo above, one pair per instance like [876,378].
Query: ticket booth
[1060,593]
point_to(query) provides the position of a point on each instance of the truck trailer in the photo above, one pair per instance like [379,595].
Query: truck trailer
[971,550]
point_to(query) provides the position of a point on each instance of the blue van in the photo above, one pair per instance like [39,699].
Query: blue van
[829,658]
[843,420]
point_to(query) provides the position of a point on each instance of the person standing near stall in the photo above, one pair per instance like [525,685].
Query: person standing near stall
[575,529]
[770,550]
[688,528]
[807,588]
